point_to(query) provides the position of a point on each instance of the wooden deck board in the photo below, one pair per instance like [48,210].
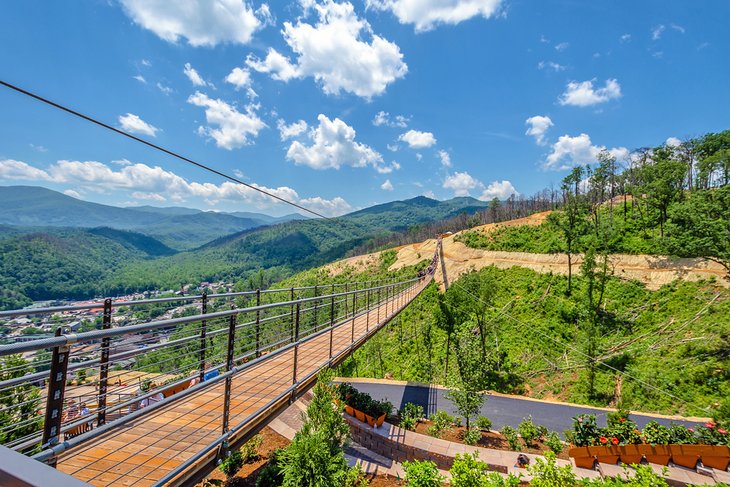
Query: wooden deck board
[143,451]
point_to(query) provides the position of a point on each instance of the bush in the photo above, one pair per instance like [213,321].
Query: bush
[585,430]
[468,471]
[484,423]
[528,431]
[546,473]
[511,435]
[638,476]
[681,435]
[472,436]
[271,475]
[413,411]
[422,474]
[231,464]
[356,477]
[408,423]
[441,422]
[656,434]
[250,449]
[552,440]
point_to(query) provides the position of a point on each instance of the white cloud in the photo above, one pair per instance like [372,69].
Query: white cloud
[164,89]
[234,129]
[132,123]
[461,183]
[538,126]
[418,140]
[334,53]
[430,194]
[11,169]
[656,32]
[394,166]
[569,152]
[678,28]
[673,142]
[292,130]
[138,195]
[384,118]
[194,76]
[201,22]
[392,148]
[146,62]
[153,183]
[140,78]
[427,14]
[582,94]
[38,148]
[333,146]
[445,158]
[550,65]
[72,193]
[562,46]
[239,174]
[239,77]
[387,185]
[626,38]
[498,189]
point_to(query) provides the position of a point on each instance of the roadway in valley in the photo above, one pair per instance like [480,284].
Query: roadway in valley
[501,409]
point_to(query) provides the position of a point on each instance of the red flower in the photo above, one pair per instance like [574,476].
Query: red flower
[709,425]
[721,431]
[347,396]
[622,420]
[580,420]
[603,440]
[691,430]
[614,441]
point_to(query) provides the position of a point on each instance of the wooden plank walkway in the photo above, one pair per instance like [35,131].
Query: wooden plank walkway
[143,451]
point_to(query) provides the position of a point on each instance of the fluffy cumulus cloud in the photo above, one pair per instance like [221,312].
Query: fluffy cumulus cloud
[132,123]
[194,76]
[387,185]
[461,183]
[229,128]
[673,142]
[384,118]
[418,140]
[332,146]
[550,66]
[153,183]
[200,22]
[427,14]
[340,52]
[570,151]
[537,127]
[583,94]
[239,77]
[292,130]
[498,189]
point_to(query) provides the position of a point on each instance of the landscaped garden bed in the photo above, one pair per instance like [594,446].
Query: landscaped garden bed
[622,441]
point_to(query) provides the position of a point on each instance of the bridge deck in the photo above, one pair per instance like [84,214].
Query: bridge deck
[143,451]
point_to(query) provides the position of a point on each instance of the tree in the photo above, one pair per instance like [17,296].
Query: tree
[19,404]
[468,402]
[494,206]
[700,227]
[664,181]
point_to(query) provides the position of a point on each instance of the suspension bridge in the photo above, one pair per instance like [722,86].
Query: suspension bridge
[157,402]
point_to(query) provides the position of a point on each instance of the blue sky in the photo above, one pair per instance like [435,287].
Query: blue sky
[342,105]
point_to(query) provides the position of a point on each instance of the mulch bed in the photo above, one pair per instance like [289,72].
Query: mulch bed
[250,471]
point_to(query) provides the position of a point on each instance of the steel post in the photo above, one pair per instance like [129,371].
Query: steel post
[332,319]
[296,351]
[291,321]
[203,332]
[229,366]
[106,323]
[316,295]
[258,323]
[56,392]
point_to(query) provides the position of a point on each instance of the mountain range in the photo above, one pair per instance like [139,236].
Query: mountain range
[54,246]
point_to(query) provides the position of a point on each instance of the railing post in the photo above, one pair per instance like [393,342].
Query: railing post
[229,366]
[354,295]
[258,323]
[203,332]
[379,304]
[315,308]
[56,391]
[367,308]
[296,353]
[346,311]
[332,318]
[291,320]
[104,364]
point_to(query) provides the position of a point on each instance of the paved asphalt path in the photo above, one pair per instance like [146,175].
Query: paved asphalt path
[501,410]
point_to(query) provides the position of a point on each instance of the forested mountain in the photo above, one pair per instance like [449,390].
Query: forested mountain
[140,264]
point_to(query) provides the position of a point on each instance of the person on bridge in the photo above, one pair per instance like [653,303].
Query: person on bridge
[211,373]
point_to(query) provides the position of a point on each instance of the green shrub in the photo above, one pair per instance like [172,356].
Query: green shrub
[656,434]
[528,431]
[468,471]
[356,477]
[472,436]
[512,439]
[546,473]
[680,435]
[585,430]
[637,476]
[231,464]
[552,440]
[411,410]
[250,449]
[442,421]
[271,475]
[408,423]
[484,423]
[493,479]
[422,474]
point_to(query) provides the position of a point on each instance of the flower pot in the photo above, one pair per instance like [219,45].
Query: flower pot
[716,456]
[630,454]
[379,421]
[658,454]
[582,457]
[360,415]
[685,455]
[604,454]
[370,420]
[349,410]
